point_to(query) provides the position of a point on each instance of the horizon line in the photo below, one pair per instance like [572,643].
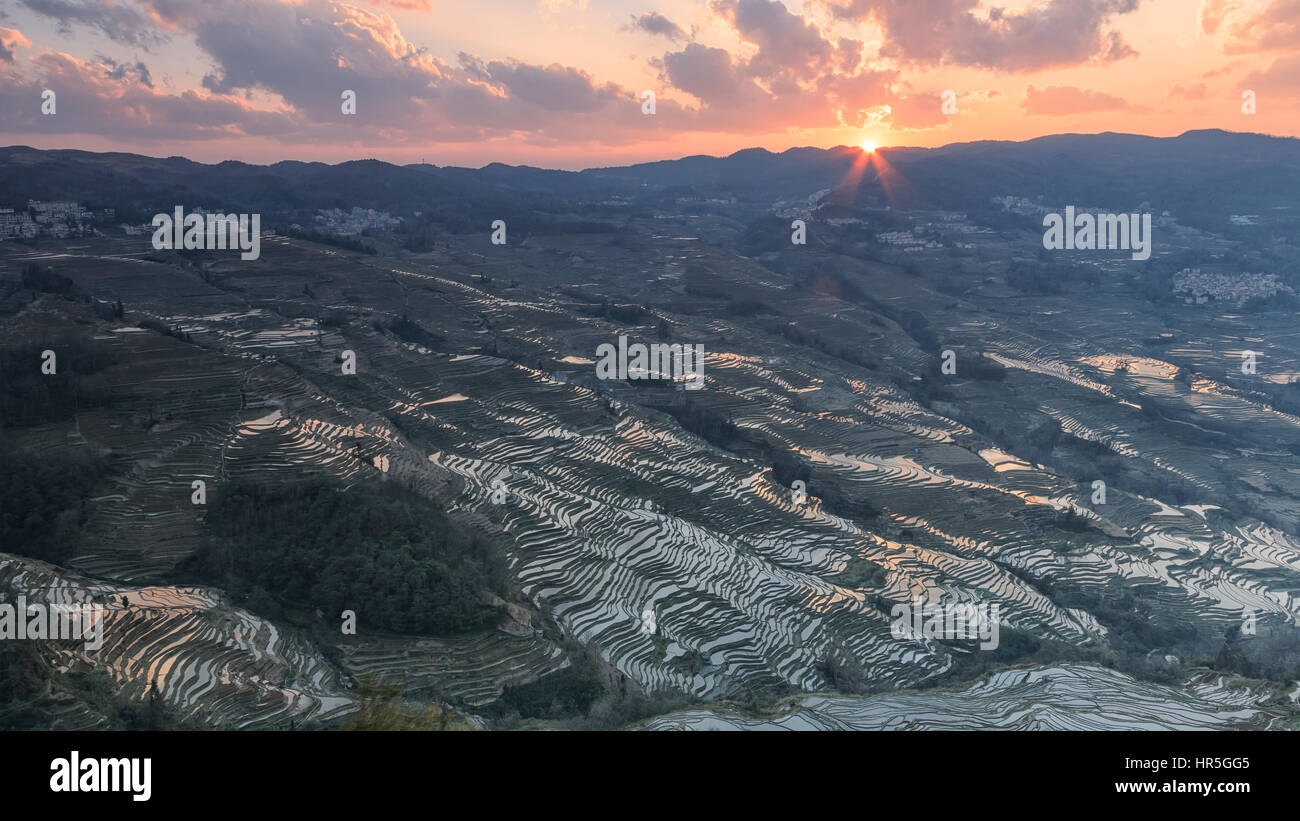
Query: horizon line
[878,149]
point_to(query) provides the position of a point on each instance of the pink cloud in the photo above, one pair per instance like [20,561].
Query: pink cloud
[11,39]
[1275,27]
[1213,13]
[1196,92]
[1056,101]
[917,111]
[1046,35]
[1280,79]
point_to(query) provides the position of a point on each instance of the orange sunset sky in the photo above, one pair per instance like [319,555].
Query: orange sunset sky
[557,83]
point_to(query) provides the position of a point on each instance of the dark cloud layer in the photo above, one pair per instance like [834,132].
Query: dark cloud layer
[652,22]
[118,21]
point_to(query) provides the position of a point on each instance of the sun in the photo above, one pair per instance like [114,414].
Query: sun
[869,146]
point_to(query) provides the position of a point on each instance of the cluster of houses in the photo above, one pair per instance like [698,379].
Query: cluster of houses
[58,218]
[342,223]
[1020,205]
[907,241]
[1199,287]
[800,208]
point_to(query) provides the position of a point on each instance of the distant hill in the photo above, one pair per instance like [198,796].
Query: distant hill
[1201,176]
[1194,175]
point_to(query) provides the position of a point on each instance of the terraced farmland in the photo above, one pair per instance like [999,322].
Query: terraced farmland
[1071,697]
[209,661]
[660,528]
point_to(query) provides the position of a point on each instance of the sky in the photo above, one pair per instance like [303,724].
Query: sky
[562,83]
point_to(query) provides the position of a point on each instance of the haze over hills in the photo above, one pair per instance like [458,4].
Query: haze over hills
[915,404]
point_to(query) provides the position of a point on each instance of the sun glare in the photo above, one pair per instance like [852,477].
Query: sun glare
[869,147]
